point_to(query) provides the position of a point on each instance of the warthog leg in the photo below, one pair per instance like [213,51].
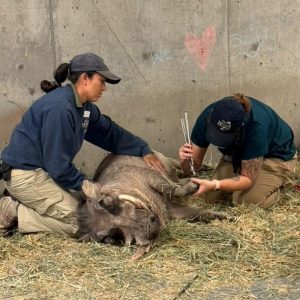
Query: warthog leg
[170,189]
[194,214]
[188,189]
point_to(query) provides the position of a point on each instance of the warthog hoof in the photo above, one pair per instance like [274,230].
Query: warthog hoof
[191,188]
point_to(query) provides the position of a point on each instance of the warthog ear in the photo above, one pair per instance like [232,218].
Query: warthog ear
[89,188]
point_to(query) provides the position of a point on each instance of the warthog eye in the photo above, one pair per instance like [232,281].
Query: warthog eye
[153,219]
[114,210]
[109,204]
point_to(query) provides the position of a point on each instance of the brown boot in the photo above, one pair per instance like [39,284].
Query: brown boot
[8,214]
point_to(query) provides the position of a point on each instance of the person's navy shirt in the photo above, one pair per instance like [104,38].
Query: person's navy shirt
[52,131]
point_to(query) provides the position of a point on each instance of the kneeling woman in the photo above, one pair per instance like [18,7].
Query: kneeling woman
[257,146]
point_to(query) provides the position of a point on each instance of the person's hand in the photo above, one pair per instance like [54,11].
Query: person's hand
[185,152]
[204,185]
[153,162]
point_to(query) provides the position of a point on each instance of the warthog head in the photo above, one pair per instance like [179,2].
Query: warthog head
[130,203]
[117,219]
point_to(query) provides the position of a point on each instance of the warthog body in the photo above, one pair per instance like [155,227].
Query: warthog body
[130,203]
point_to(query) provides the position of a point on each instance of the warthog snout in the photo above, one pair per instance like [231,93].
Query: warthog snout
[154,226]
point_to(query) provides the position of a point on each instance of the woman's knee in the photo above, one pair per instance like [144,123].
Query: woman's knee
[262,201]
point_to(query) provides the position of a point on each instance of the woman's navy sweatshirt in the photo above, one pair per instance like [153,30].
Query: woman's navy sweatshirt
[52,131]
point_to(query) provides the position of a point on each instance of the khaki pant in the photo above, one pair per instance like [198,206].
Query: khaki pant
[274,175]
[44,206]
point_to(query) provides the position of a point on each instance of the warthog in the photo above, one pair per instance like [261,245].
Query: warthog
[130,203]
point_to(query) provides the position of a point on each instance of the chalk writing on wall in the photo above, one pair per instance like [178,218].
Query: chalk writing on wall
[255,39]
[161,56]
[201,47]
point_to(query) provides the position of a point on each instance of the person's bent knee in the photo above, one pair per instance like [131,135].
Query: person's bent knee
[265,202]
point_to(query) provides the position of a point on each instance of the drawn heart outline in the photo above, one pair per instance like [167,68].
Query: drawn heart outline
[201,47]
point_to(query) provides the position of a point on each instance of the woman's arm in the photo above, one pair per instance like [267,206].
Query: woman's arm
[243,182]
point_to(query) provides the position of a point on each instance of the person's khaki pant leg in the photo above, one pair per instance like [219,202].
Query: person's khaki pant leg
[223,170]
[44,205]
[274,174]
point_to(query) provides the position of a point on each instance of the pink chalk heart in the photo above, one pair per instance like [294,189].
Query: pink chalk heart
[201,47]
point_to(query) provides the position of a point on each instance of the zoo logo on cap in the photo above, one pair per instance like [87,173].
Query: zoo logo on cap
[224,125]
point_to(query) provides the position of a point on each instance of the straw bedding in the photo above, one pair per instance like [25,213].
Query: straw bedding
[255,257]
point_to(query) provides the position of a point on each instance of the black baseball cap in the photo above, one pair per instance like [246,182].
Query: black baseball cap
[91,62]
[224,122]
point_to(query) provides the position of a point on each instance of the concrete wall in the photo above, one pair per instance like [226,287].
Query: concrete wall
[172,55]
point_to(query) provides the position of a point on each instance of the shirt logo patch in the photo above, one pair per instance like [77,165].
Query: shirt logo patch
[224,125]
[85,122]
[86,114]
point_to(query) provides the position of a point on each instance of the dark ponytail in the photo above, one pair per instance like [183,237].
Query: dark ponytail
[60,75]
[238,142]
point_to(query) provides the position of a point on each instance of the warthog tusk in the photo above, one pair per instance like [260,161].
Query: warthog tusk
[135,201]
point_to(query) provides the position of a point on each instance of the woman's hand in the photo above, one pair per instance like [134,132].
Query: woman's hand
[185,152]
[204,185]
[153,162]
